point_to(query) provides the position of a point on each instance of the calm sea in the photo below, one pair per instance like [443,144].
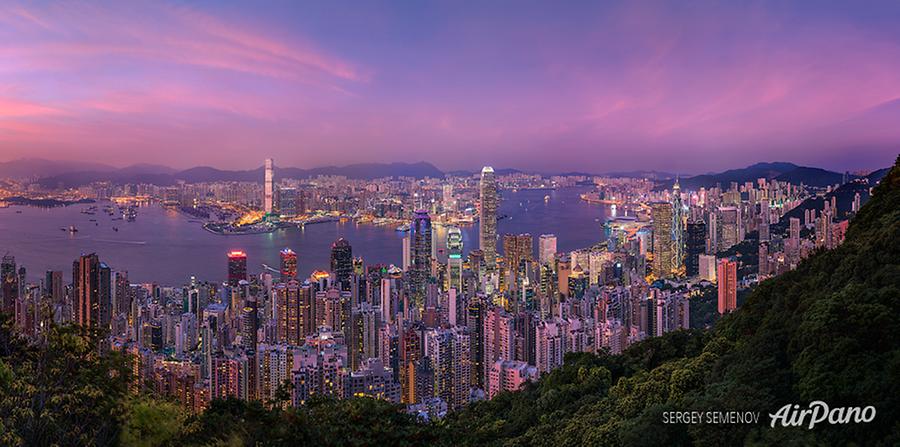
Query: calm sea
[167,247]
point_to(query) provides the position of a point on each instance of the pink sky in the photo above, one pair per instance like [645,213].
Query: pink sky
[636,85]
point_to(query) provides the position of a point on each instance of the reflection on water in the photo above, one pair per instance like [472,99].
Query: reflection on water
[167,247]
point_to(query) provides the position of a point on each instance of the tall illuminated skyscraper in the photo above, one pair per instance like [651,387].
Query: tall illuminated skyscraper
[678,221]
[288,264]
[237,267]
[420,269]
[342,262]
[487,232]
[269,186]
[662,239]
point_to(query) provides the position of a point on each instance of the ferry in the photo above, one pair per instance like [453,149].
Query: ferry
[403,228]
[72,229]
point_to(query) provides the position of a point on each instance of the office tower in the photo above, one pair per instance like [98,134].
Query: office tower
[678,220]
[695,245]
[727,276]
[854,207]
[661,213]
[288,265]
[9,291]
[729,231]
[269,187]
[288,202]
[707,264]
[237,267]
[547,248]
[475,316]
[342,262]
[454,259]
[420,270]
[91,284]
[713,228]
[487,227]
[509,375]
[578,282]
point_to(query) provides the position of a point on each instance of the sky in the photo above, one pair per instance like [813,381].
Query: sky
[686,86]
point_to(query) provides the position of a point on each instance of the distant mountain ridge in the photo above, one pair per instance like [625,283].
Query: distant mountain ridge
[782,171]
[56,174]
[164,176]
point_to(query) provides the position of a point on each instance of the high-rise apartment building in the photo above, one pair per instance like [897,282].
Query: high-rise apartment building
[727,277]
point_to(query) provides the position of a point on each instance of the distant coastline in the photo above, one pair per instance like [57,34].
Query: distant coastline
[44,203]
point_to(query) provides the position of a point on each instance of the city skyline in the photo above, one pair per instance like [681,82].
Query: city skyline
[706,87]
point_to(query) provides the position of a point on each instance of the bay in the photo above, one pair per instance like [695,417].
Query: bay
[167,247]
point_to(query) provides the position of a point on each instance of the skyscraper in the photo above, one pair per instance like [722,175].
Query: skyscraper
[727,277]
[547,248]
[237,267]
[454,259]
[269,186]
[678,218]
[695,245]
[764,221]
[342,262]
[729,231]
[517,248]
[487,230]
[288,265]
[663,255]
[420,269]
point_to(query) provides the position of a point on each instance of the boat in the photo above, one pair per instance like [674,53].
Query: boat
[403,228]
[72,229]
[546,199]
[116,229]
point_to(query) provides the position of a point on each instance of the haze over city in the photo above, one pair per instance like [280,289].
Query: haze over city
[610,86]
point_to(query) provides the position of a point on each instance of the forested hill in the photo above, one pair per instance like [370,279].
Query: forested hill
[826,331]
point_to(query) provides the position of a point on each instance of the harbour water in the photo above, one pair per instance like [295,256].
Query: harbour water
[168,247]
